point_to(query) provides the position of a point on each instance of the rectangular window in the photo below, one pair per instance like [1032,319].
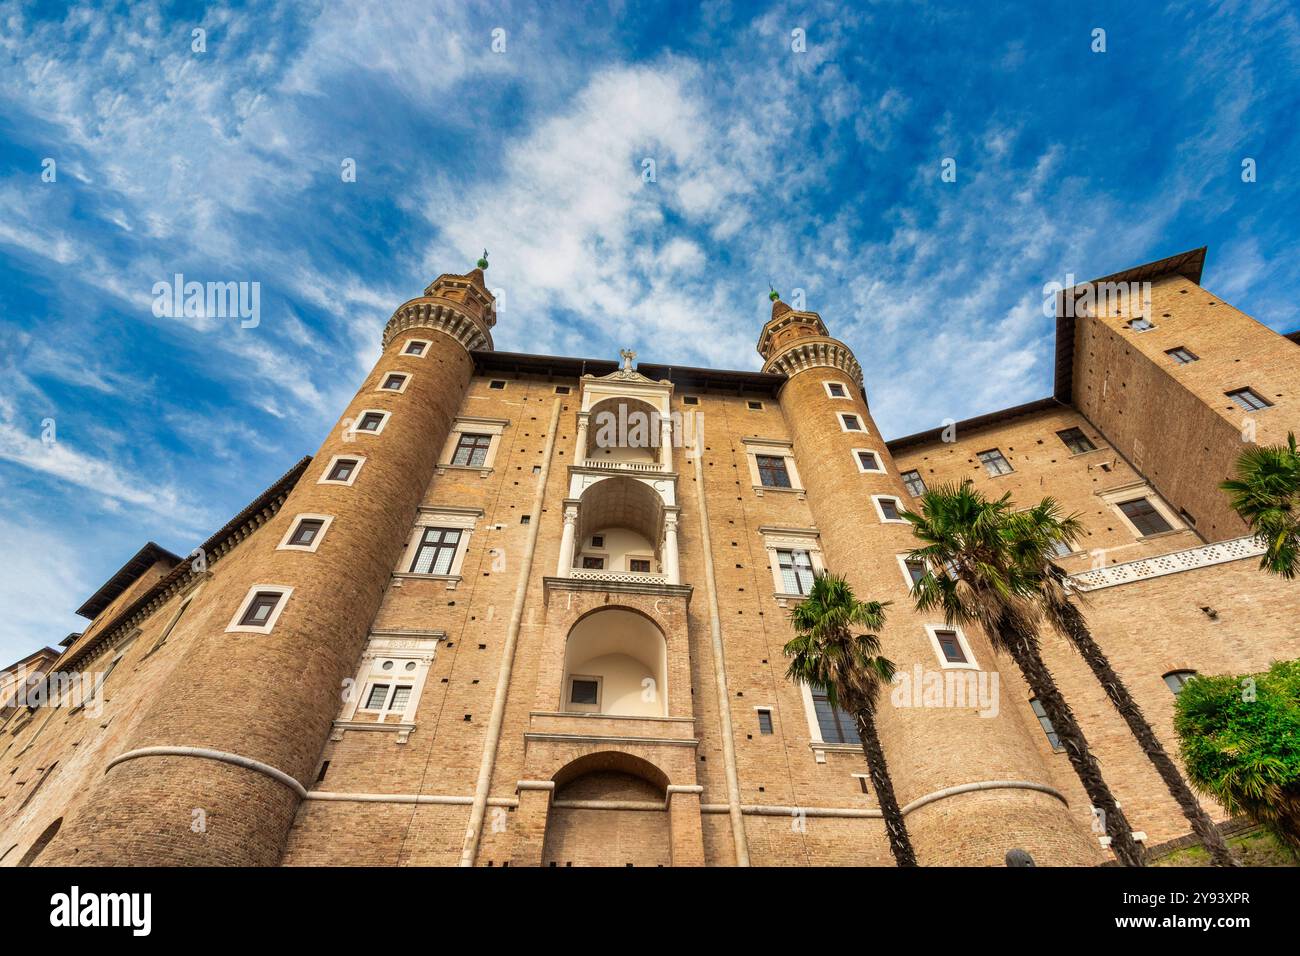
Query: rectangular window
[1076,440]
[915,570]
[639,565]
[593,564]
[851,422]
[868,461]
[378,694]
[1046,724]
[394,382]
[836,390]
[1140,324]
[305,532]
[1144,516]
[1249,399]
[994,462]
[1181,355]
[414,348]
[888,509]
[950,646]
[497,384]
[764,722]
[436,551]
[370,422]
[342,470]
[772,472]
[690,400]
[471,450]
[914,482]
[259,609]
[796,571]
[401,697]
[755,406]
[561,390]
[837,727]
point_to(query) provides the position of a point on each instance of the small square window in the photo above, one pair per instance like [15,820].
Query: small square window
[343,470]
[415,347]
[525,519]
[598,541]
[1140,324]
[950,646]
[755,406]
[584,691]
[394,382]
[639,565]
[1249,399]
[371,422]
[836,390]
[1177,680]
[889,509]
[868,460]
[915,570]
[994,462]
[497,384]
[561,390]
[764,722]
[305,532]
[914,482]
[1076,440]
[1182,356]
[259,611]
[851,422]
[690,400]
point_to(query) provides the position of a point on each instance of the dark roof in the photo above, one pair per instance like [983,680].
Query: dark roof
[971,424]
[49,652]
[562,367]
[126,575]
[1188,264]
[213,547]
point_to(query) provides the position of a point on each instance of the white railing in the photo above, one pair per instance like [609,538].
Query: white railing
[618,577]
[1204,556]
[615,464]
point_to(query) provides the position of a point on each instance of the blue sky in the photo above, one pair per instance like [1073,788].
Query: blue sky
[817,170]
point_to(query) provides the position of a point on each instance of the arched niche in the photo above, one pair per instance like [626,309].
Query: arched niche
[615,663]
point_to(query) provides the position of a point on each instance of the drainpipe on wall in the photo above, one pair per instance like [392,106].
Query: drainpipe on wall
[720,665]
[479,807]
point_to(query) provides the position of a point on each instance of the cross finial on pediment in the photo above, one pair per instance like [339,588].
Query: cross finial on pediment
[628,357]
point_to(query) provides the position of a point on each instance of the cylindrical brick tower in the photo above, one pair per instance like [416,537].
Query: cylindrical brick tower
[214,772]
[929,749]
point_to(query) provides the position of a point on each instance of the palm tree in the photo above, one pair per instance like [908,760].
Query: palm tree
[1266,493]
[984,583]
[1033,536]
[826,655]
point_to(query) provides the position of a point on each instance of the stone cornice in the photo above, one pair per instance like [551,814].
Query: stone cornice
[443,315]
[818,352]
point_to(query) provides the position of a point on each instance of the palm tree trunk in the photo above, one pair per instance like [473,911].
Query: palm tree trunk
[1118,692]
[864,713]
[1023,647]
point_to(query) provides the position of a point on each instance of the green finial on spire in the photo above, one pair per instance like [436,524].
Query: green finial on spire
[773,294]
[482,263]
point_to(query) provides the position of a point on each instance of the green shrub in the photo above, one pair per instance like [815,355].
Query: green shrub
[1240,742]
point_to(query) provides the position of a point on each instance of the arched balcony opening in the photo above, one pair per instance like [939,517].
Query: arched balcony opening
[625,434]
[615,663]
[620,530]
